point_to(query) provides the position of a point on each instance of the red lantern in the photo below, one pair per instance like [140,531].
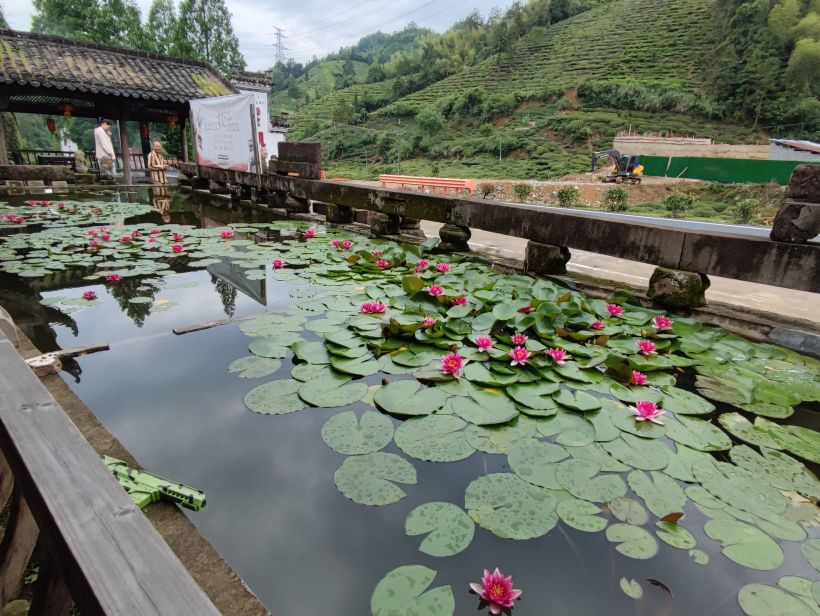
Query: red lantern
[172,120]
[52,126]
[144,130]
[67,109]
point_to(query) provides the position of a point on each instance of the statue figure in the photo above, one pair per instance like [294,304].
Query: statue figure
[80,162]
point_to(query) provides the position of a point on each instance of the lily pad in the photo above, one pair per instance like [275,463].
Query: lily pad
[697,434]
[581,515]
[312,352]
[631,588]
[435,438]
[661,493]
[643,454]
[410,398]
[764,600]
[629,510]
[633,541]
[536,462]
[402,593]
[330,390]
[348,435]
[675,535]
[579,401]
[569,429]
[275,398]
[745,544]
[483,408]
[253,367]
[370,479]
[578,477]
[737,425]
[270,348]
[359,366]
[450,529]
[684,402]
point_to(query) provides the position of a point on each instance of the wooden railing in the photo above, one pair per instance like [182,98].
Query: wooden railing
[96,548]
[61,157]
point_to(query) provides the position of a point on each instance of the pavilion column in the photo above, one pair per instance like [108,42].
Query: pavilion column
[4,153]
[183,124]
[126,153]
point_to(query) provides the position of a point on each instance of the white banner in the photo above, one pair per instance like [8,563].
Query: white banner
[265,138]
[224,132]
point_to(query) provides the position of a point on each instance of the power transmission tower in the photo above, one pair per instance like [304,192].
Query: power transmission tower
[279,45]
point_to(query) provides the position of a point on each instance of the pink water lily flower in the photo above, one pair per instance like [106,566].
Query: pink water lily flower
[89,295]
[647,411]
[178,236]
[443,267]
[428,322]
[382,263]
[484,343]
[615,310]
[226,235]
[373,308]
[155,231]
[419,269]
[423,264]
[559,356]
[151,240]
[378,252]
[526,309]
[520,356]
[278,263]
[497,590]
[646,347]
[10,216]
[435,290]
[460,301]
[519,340]
[310,233]
[93,244]
[661,322]
[61,206]
[103,229]
[597,325]
[336,243]
[347,244]
[126,239]
[638,378]
[453,364]
[20,220]
[136,234]
[105,237]
[177,247]
[113,278]
[92,233]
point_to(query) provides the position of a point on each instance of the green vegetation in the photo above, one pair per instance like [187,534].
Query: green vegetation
[522,191]
[568,196]
[616,199]
[678,203]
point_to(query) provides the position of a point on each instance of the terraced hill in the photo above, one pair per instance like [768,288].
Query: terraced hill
[321,110]
[664,42]
[318,82]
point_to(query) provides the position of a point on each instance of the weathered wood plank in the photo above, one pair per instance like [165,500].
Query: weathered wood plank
[6,481]
[116,561]
[16,549]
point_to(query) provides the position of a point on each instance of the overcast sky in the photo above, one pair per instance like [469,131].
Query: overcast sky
[312,26]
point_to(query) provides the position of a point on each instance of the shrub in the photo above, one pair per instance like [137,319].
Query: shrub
[744,210]
[430,120]
[677,203]
[616,199]
[522,191]
[487,190]
[435,171]
[568,196]
[486,129]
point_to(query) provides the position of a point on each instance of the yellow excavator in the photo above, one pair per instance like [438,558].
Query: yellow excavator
[627,169]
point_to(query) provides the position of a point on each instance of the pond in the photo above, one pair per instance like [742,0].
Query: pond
[322,424]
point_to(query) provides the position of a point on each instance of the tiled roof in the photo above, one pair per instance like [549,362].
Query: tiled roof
[798,144]
[56,63]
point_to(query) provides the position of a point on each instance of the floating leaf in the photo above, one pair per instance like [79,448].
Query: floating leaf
[535,397]
[511,508]
[360,366]
[661,493]
[401,593]
[370,479]
[629,510]
[675,535]
[275,398]
[811,550]
[271,348]
[700,557]
[451,530]
[737,425]
[684,402]
[570,429]
[625,420]
[348,435]
[435,438]
[312,352]
[581,515]
[698,434]
[763,600]
[410,398]
[483,408]
[579,401]
[536,462]
[330,390]
[633,541]
[502,438]
[578,477]
[637,452]
[631,588]
[253,367]
[745,544]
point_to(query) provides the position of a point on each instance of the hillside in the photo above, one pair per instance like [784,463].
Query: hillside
[317,82]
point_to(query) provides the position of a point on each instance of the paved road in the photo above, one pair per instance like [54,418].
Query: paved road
[798,304]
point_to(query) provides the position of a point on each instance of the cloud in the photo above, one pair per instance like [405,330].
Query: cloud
[312,27]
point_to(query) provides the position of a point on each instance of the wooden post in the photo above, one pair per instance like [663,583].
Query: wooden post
[145,141]
[183,124]
[4,154]
[126,153]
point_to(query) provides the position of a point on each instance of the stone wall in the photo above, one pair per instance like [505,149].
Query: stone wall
[47,173]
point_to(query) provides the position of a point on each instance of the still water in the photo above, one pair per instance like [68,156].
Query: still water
[273,510]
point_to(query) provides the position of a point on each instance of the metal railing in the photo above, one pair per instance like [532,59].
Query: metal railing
[65,157]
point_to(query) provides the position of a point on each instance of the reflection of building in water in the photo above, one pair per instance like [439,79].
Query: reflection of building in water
[227,293]
[235,276]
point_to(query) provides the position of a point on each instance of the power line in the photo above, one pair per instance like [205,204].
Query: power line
[279,45]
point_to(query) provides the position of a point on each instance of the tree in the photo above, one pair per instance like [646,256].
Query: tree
[804,64]
[782,18]
[161,26]
[343,112]
[204,32]
[109,22]
[3,22]
[430,120]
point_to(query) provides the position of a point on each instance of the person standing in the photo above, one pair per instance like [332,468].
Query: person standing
[157,164]
[104,148]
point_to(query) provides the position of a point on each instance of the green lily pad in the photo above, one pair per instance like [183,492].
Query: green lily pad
[764,600]
[581,515]
[631,588]
[451,530]
[359,366]
[331,390]
[661,493]
[312,352]
[628,510]
[578,477]
[697,434]
[569,429]
[370,479]
[579,401]
[275,398]
[536,462]
[699,556]
[675,535]
[270,348]
[141,299]
[402,593]
[253,367]
[684,402]
[737,425]
[503,438]
[811,551]
[625,420]
[643,454]
[306,372]
[536,398]
[511,508]
[410,398]
[633,541]
[435,438]
[745,544]
[348,435]
[483,408]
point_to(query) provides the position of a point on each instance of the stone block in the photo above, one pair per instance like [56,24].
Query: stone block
[383,224]
[34,172]
[454,238]
[546,258]
[339,214]
[361,216]
[678,289]
[217,188]
[796,222]
[805,184]
[300,152]
[411,226]
[319,207]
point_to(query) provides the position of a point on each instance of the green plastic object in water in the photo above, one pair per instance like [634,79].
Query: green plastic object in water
[145,488]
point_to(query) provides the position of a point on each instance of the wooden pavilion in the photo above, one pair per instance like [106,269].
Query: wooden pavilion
[51,75]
